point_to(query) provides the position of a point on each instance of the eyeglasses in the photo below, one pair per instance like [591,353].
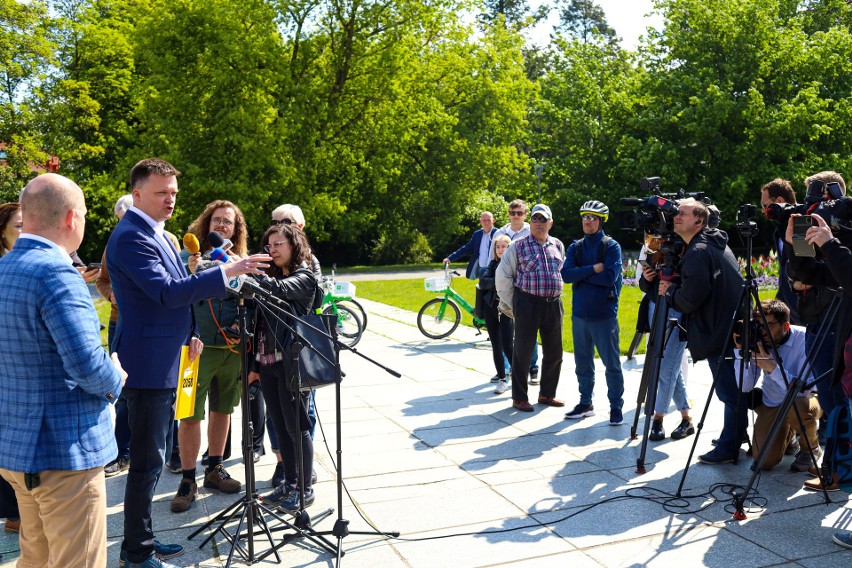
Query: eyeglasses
[277,222]
[538,219]
[589,217]
[771,323]
[275,245]
[517,213]
[221,221]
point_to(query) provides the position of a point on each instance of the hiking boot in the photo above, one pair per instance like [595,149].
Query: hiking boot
[803,463]
[219,479]
[186,494]
[580,411]
[116,466]
[683,430]
[657,432]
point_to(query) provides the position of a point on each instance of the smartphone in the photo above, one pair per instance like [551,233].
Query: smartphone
[645,264]
[93,266]
[801,247]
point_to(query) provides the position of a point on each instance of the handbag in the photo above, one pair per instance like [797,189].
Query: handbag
[315,371]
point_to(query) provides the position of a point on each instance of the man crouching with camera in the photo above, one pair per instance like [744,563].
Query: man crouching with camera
[766,401]
[708,295]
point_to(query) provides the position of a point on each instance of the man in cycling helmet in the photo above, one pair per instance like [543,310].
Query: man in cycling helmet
[593,268]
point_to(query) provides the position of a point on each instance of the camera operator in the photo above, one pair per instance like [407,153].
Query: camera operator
[780,192]
[790,342]
[812,281]
[838,259]
[708,294]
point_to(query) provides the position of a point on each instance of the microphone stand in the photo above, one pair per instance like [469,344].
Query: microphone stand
[303,520]
[249,507]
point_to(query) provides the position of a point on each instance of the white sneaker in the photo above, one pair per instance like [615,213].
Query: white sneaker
[502,387]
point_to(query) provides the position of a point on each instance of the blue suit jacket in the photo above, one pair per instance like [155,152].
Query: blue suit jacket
[154,294]
[471,248]
[56,380]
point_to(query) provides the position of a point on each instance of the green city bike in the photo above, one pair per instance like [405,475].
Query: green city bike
[439,317]
[339,299]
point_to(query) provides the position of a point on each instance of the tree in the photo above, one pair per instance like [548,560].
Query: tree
[584,20]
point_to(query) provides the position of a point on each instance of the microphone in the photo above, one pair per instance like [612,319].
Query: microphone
[219,254]
[248,287]
[190,243]
[218,241]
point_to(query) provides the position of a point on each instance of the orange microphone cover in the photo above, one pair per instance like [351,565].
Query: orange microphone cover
[190,243]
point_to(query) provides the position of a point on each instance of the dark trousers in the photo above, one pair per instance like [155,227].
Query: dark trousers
[151,418]
[500,331]
[289,414]
[728,391]
[536,315]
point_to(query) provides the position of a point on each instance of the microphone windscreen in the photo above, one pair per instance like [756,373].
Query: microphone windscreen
[219,254]
[215,239]
[190,243]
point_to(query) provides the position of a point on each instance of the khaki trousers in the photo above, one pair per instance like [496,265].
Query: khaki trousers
[63,520]
[810,412]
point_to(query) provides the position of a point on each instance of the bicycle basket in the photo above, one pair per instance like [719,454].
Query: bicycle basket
[436,284]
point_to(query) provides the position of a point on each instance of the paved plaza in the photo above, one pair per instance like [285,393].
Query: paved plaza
[469,482]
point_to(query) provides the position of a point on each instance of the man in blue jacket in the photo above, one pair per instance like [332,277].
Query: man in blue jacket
[56,384]
[155,321]
[477,247]
[593,268]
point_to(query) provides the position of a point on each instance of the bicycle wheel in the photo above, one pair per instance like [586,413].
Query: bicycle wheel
[359,310]
[435,324]
[349,328]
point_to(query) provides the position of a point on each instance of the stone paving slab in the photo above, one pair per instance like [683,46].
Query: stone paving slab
[435,453]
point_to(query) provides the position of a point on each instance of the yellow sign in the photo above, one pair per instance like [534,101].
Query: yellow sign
[187,381]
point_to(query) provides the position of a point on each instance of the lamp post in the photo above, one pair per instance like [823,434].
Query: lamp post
[538,168]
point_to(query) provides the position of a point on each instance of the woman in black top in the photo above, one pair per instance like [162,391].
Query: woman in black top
[291,280]
[500,327]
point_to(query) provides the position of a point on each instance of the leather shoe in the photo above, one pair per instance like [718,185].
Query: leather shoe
[550,401]
[816,485]
[12,525]
[522,405]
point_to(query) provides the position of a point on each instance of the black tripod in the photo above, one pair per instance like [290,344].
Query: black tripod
[303,521]
[249,507]
[798,385]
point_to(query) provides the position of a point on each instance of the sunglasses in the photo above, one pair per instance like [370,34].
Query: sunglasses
[538,219]
[589,217]
[517,213]
[278,222]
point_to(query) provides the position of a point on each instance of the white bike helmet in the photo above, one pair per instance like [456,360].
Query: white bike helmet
[595,208]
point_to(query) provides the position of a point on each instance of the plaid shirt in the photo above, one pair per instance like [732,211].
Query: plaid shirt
[539,266]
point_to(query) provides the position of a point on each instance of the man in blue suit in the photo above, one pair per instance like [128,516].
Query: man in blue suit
[477,247]
[155,321]
[56,385]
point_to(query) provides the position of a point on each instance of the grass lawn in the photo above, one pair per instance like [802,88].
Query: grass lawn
[102,306]
[411,295]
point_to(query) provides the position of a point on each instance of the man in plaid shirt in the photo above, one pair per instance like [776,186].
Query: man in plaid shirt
[529,285]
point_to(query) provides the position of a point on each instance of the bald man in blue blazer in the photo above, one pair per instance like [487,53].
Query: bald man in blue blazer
[154,296]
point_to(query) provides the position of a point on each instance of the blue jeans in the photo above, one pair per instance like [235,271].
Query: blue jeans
[151,417]
[603,334]
[670,385]
[533,361]
[829,397]
[727,389]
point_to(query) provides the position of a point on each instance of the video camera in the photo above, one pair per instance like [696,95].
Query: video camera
[654,214]
[826,199]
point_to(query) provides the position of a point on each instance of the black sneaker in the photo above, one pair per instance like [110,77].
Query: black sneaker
[173,465]
[534,376]
[279,494]
[657,432]
[580,411]
[615,417]
[278,475]
[716,457]
[116,466]
[293,502]
[685,429]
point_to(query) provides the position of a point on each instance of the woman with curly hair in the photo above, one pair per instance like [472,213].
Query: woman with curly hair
[10,225]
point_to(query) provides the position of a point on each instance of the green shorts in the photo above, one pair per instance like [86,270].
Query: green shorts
[218,374]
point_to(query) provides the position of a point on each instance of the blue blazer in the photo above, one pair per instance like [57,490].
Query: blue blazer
[154,295]
[471,248]
[56,380]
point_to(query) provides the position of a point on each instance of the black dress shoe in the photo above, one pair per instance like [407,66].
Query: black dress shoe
[657,432]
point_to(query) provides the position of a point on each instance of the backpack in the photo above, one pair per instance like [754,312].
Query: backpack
[838,445]
[616,288]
